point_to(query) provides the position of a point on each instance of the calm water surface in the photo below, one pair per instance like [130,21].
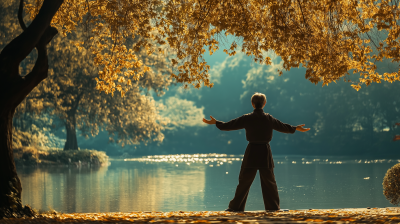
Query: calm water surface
[203,182]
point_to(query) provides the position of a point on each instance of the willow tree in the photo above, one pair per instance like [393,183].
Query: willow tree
[329,38]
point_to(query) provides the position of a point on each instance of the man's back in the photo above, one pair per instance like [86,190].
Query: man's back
[258,126]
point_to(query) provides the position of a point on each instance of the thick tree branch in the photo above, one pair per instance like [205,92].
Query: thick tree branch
[21,46]
[77,100]
[39,71]
[31,80]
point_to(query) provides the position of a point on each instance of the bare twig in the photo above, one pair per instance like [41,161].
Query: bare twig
[20,11]
[301,10]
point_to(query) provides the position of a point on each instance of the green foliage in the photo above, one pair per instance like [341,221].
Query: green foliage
[31,148]
[21,138]
[26,156]
[34,136]
[391,184]
[33,156]
[64,157]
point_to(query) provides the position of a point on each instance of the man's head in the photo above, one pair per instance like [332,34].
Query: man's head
[258,100]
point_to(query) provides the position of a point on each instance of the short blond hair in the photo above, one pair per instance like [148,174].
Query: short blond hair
[258,99]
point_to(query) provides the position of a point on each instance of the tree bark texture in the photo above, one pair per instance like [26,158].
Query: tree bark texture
[13,89]
[10,187]
[70,125]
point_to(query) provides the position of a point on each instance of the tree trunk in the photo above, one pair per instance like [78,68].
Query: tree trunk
[10,191]
[13,90]
[10,187]
[70,125]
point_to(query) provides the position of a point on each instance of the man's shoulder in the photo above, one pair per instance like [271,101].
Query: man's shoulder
[268,116]
[245,115]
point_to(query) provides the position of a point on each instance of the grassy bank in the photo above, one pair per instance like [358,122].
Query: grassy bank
[31,156]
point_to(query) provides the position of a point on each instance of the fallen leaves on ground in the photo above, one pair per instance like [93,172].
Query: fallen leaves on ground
[374,215]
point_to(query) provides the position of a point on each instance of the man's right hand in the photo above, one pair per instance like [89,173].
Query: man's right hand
[300,128]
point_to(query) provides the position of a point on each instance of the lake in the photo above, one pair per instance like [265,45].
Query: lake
[203,182]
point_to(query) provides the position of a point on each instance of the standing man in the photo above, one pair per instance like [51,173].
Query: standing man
[259,127]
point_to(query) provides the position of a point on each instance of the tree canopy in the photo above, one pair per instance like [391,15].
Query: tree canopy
[69,93]
[330,38]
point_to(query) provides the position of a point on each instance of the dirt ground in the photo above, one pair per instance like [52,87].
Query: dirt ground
[348,215]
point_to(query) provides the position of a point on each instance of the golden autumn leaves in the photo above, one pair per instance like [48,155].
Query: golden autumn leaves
[330,38]
[374,215]
[69,91]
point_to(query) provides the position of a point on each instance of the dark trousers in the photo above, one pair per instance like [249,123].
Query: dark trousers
[268,186]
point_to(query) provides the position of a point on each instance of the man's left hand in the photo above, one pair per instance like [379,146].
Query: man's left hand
[211,121]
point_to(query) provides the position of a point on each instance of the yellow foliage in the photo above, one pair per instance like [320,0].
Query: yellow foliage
[83,61]
[328,38]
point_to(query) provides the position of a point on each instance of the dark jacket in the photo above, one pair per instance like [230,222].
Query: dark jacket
[259,127]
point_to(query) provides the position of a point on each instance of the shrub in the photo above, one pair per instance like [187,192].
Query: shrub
[32,156]
[26,156]
[85,155]
[36,137]
[21,138]
[391,184]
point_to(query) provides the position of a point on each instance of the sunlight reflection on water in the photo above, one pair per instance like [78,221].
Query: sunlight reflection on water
[214,158]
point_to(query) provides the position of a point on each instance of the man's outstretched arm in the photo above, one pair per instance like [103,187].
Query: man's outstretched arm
[232,125]
[287,128]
